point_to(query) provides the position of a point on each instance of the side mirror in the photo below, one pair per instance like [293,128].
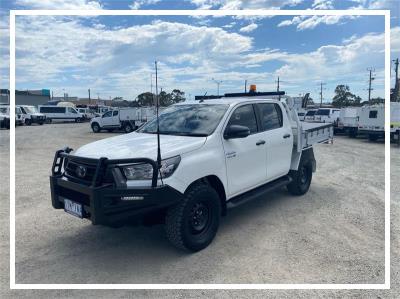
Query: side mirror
[236,131]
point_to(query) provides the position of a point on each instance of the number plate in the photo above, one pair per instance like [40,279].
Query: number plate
[73,208]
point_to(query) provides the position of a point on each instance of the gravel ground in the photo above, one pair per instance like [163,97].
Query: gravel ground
[333,234]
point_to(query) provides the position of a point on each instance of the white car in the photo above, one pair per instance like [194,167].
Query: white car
[4,117]
[327,115]
[213,155]
[32,115]
[309,116]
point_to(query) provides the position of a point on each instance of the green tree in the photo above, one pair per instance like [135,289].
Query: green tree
[177,96]
[343,97]
[146,99]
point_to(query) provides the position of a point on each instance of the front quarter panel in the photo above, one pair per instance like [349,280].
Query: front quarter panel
[206,161]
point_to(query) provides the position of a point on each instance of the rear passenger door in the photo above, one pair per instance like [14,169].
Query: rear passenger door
[245,158]
[279,139]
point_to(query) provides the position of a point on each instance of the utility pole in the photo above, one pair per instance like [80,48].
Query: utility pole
[320,93]
[245,86]
[218,83]
[89,95]
[370,69]
[52,95]
[396,83]
[151,83]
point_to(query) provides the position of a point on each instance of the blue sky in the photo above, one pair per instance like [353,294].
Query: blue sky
[114,55]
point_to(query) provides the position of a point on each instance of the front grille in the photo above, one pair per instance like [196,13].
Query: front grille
[86,176]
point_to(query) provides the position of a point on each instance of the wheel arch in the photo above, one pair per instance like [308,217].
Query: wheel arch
[215,182]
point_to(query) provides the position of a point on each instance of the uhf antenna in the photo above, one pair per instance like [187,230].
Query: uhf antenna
[158,125]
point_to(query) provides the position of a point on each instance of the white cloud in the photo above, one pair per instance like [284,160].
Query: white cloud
[249,28]
[139,3]
[244,4]
[59,4]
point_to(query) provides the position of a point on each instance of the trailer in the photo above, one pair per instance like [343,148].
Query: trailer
[372,121]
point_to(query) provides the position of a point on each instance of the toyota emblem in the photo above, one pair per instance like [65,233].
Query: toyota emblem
[80,171]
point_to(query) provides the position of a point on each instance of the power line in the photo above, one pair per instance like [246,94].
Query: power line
[218,82]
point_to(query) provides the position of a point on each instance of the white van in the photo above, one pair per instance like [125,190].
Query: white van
[348,120]
[309,116]
[372,121]
[61,113]
[327,115]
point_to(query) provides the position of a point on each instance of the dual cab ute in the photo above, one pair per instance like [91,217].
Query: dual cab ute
[216,154]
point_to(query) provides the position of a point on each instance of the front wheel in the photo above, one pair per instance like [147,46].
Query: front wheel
[193,223]
[78,120]
[95,127]
[28,122]
[301,179]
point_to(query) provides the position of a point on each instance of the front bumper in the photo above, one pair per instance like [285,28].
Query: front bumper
[108,203]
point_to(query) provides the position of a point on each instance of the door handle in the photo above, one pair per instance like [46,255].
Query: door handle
[286,136]
[260,142]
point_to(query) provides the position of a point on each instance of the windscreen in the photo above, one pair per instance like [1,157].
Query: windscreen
[310,113]
[29,109]
[187,120]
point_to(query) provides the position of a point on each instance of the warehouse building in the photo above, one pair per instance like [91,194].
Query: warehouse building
[26,97]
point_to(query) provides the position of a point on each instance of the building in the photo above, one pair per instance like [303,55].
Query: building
[27,97]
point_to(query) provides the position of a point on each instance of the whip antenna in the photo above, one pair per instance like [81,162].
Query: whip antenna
[158,125]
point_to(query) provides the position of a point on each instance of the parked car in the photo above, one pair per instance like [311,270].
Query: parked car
[309,116]
[213,155]
[327,115]
[4,117]
[86,112]
[127,119]
[60,113]
[32,115]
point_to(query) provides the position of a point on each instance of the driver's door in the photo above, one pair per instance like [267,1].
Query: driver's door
[245,158]
[107,119]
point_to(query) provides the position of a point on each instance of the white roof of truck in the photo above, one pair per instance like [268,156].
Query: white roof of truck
[229,100]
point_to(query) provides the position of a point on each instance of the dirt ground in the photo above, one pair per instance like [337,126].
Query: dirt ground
[333,234]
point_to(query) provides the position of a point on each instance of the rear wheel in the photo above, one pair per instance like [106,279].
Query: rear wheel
[41,123]
[128,128]
[48,120]
[193,223]
[301,179]
[95,127]
[78,120]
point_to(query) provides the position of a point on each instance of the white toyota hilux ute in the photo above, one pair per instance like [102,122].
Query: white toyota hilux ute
[214,154]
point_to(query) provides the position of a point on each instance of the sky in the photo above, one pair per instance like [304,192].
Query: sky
[114,55]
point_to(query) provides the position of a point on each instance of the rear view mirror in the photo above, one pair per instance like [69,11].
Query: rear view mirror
[236,131]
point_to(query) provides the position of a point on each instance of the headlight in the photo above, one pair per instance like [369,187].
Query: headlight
[144,171]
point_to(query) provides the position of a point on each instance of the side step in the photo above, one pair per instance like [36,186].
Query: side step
[257,192]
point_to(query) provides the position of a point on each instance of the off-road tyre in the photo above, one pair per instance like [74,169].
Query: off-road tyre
[301,178]
[183,229]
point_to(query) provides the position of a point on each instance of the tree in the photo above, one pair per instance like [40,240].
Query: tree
[343,97]
[178,96]
[146,99]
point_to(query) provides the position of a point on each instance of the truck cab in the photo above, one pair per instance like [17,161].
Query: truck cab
[211,156]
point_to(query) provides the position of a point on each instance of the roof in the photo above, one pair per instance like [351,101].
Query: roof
[229,101]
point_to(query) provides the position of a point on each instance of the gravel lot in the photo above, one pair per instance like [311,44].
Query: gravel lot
[333,234]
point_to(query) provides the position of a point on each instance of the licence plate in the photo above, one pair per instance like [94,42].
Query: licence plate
[73,208]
